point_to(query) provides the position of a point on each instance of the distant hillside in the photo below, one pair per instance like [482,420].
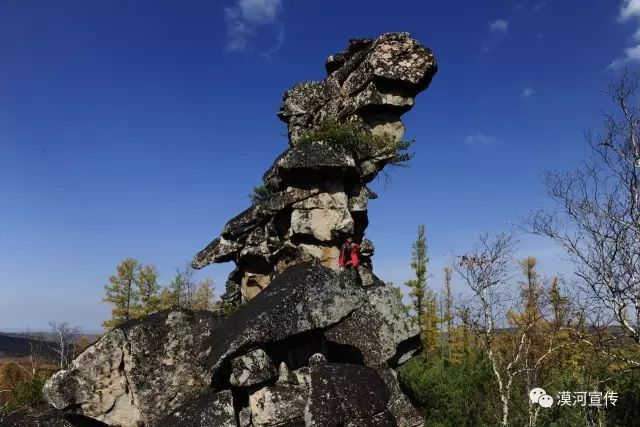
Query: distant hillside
[12,345]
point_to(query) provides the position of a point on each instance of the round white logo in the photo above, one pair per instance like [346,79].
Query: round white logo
[535,394]
[545,401]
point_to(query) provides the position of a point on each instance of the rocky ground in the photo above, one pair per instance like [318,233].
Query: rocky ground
[306,344]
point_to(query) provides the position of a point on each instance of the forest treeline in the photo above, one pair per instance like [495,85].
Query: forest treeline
[513,330]
[134,292]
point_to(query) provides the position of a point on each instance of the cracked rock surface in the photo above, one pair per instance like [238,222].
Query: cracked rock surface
[306,344]
[139,371]
[317,190]
[180,367]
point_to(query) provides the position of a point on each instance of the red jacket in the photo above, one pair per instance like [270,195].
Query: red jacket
[349,259]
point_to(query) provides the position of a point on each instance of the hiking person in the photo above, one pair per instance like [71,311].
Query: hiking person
[349,254]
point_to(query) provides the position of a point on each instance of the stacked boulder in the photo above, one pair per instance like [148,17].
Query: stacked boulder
[313,345]
[317,192]
[315,348]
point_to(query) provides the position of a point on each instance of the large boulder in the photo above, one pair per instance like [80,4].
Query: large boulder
[140,371]
[345,394]
[206,411]
[305,297]
[329,336]
[381,329]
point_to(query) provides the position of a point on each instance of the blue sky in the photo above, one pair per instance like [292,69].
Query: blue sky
[138,128]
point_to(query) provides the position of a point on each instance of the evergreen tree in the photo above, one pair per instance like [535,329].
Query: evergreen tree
[182,288]
[204,296]
[448,309]
[418,286]
[431,331]
[122,293]
[147,288]
[424,301]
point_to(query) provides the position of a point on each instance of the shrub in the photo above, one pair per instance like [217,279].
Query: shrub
[450,393]
[359,140]
[260,194]
[28,393]
[25,390]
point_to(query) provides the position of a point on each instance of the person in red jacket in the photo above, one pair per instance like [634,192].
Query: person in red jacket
[349,254]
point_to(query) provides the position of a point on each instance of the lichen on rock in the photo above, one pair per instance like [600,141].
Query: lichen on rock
[342,132]
[300,342]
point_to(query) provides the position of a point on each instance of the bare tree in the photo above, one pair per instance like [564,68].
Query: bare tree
[66,338]
[485,270]
[36,354]
[516,330]
[597,215]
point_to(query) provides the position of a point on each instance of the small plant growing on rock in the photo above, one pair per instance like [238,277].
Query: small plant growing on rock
[361,141]
[260,194]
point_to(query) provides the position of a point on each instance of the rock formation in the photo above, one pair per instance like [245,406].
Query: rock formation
[317,189]
[314,345]
[315,348]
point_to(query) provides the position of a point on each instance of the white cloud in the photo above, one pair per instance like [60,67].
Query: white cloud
[631,54]
[243,18]
[499,26]
[480,139]
[527,92]
[629,9]
[538,6]
[259,11]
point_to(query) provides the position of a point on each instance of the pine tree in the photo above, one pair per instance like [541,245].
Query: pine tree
[167,299]
[431,320]
[204,296]
[147,288]
[182,288]
[423,300]
[448,309]
[121,292]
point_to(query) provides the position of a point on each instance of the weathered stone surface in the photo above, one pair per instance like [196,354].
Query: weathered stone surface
[318,195]
[345,394]
[366,248]
[304,297]
[359,201]
[277,405]
[252,368]
[335,334]
[253,283]
[381,329]
[327,254]
[285,376]
[140,371]
[45,417]
[244,417]
[405,414]
[213,409]
[313,162]
[387,72]
[324,225]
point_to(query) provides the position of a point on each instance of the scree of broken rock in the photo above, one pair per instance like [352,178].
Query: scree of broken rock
[315,194]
